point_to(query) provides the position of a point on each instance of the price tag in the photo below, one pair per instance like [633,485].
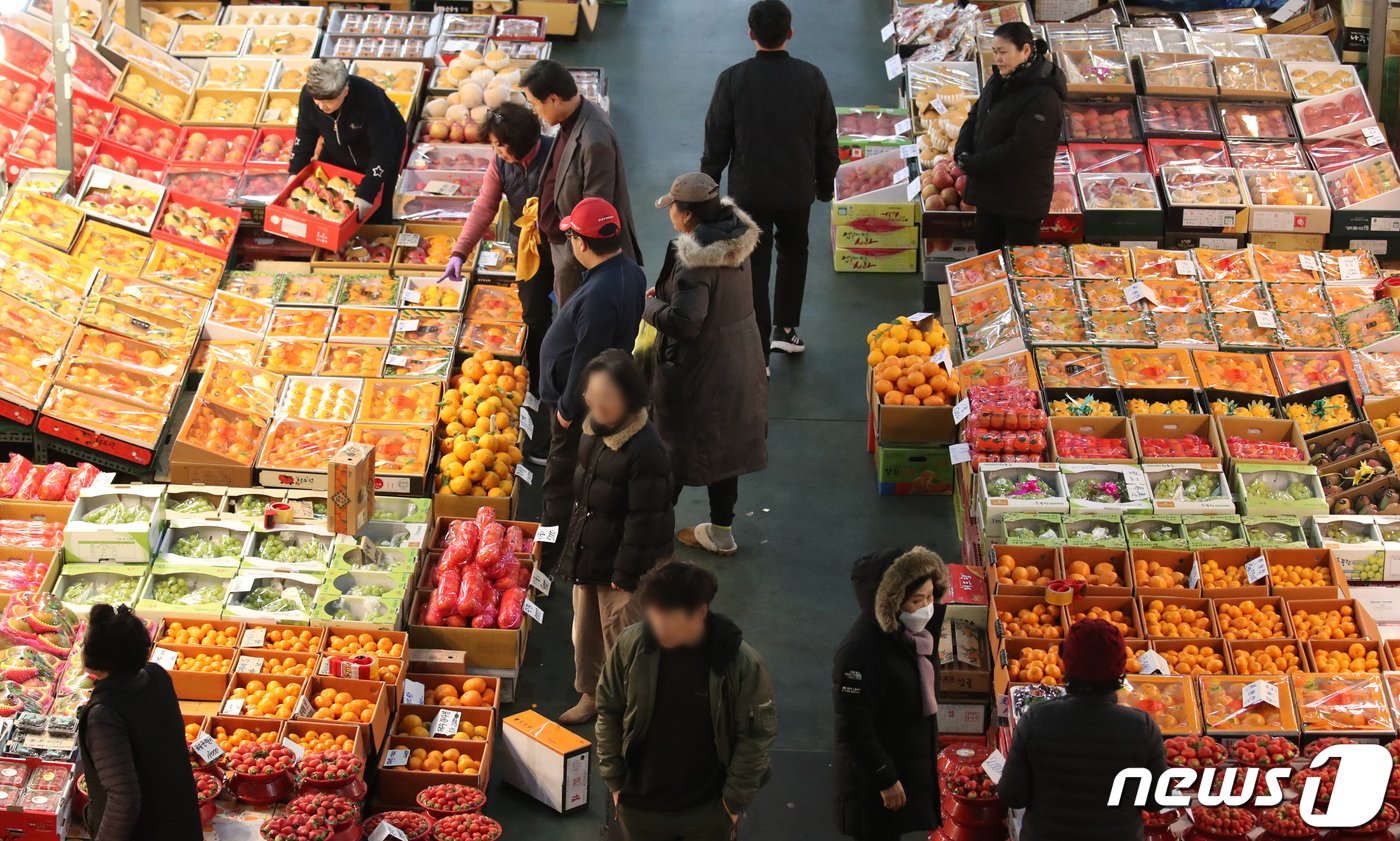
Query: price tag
[909,150]
[1153,663]
[1136,243]
[887,31]
[533,611]
[412,296]
[253,638]
[165,658]
[961,410]
[297,750]
[1256,570]
[532,402]
[248,665]
[1350,267]
[408,239]
[1375,246]
[1288,10]
[412,692]
[396,360]
[1374,136]
[959,453]
[272,115]
[1265,319]
[241,584]
[407,325]
[546,534]
[304,709]
[939,106]
[918,316]
[1309,261]
[1194,579]
[912,190]
[1260,691]
[904,126]
[1185,267]
[1387,224]
[324,667]
[527,424]
[1219,243]
[1139,291]
[540,581]
[206,748]
[994,765]
[101,179]
[386,831]
[894,67]
[1195,217]
[900,175]
[526,474]
[1136,487]
[944,357]
[441,188]
[489,259]
[445,723]
[232,706]
[396,758]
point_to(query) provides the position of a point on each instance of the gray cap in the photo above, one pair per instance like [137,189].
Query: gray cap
[691,187]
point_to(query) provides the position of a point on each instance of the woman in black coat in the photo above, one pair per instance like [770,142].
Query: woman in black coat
[886,714]
[622,520]
[1007,146]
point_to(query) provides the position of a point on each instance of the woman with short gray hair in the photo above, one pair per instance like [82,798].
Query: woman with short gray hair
[350,122]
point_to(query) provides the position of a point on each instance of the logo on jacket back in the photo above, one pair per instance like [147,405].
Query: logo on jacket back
[1363,773]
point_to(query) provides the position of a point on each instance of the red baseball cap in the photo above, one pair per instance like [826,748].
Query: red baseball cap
[594,218]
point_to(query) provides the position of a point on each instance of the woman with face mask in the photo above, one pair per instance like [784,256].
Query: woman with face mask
[883,687]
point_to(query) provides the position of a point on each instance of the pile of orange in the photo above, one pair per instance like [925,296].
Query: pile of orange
[205,634]
[389,672]
[1133,666]
[1248,621]
[1157,574]
[287,666]
[1009,572]
[1290,575]
[1037,665]
[288,639]
[911,381]
[1102,574]
[209,663]
[1357,658]
[1040,622]
[450,761]
[478,440]
[1194,660]
[413,725]
[230,740]
[273,699]
[1215,575]
[475,692]
[352,644]
[1167,619]
[191,733]
[341,706]
[1337,624]
[1273,659]
[315,740]
[1116,617]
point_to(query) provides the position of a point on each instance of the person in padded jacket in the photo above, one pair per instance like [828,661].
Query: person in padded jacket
[622,519]
[1086,731]
[350,122]
[886,711]
[1007,146]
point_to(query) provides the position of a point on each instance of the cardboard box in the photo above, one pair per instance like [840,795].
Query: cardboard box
[888,235]
[1102,427]
[962,719]
[439,661]
[398,786]
[490,648]
[561,17]
[876,260]
[1226,559]
[1174,427]
[1309,559]
[1259,430]
[128,543]
[1173,560]
[916,471]
[545,761]
[1169,602]
[350,488]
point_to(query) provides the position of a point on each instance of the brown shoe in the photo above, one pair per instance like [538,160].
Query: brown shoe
[581,713]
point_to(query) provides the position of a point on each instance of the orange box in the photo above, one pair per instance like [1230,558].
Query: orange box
[1227,559]
[1308,559]
[351,642]
[1005,610]
[545,760]
[1094,556]
[400,786]
[200,686]
[1162,616]
[491,696]
[1043,559]
[1120,604]
[296,730]
[372,691]
[303,663]
[1223,610]
[1386,661]
[471,716]
[1169,699]
[1252,646]
[312,638]
[1178,646]
[255,726]
[1177,560]
[1221,695]
[195,620]
[241,682]
[1366,627]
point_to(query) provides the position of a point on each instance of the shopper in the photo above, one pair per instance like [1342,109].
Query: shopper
[350,122]
[1007,146]
[132,738]
[584,162]
[1066,752]
[885,679]
[772,123]
[623,517]
[515,173]
[603,313]
[709,388]
[685,714]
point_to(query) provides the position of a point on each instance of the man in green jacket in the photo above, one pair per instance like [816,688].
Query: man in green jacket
[685,714]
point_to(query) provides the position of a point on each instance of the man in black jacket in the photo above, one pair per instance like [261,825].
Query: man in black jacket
[772,123]
[358,128]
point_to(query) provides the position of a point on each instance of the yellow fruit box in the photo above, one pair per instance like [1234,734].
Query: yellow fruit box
[876,260]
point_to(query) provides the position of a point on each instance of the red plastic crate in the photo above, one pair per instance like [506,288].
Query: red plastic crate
[41,826]
[202,182]
[211,134]
[146,166]
[313,230]
[288,136]
[117,131]
[215,210]
[101,106]
[15,164]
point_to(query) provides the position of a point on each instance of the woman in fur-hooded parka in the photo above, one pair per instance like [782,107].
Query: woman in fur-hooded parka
[884,732]
[710,390]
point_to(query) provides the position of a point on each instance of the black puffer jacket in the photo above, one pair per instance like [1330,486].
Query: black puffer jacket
[623,518]
[1007,146]
[1096,738]
[882,734]
[367,134]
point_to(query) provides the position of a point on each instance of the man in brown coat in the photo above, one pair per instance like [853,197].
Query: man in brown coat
[585,161]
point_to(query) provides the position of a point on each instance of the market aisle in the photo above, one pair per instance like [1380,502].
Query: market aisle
[815,509]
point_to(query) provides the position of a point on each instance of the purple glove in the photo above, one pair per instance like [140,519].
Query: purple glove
[454,269]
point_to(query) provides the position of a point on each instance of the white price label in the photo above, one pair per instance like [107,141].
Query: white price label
[944,357]
[894,67]
[413,692]
[445,723]
[386,831]
[1153,663]
[904,126]
[1381,224]
[297,750]
[272,115]
[540,581]
[1349,265]
[532,402]
[994,765]
[407,325]
[408,239]
[1139,291]
[441,188]
[546,534]
[1185,267]
[165,658]
[1195,217]
[1194,579]
[887,31]
[412,296]
[1256,570]
[395,758]
[241,584]
[232,706]
[304,709]
[959,453]
[1374,136]
[527,424]
[918,316]
[489,259]
[248,665]
[1309,262]
[1265,319]
[101,179]
[939,106]
[1288,10]
[1219,243]
[909,150]
[1260,691]
[1136,487]
[961,410]
[912,190]
[533,611]
[1136,243]
[206,748]
[900,175]
[396,360]
[1377,247]
[253,638]
[324,667]
[526,474]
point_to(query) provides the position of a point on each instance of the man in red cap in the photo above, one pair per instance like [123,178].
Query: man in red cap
[602,313]
[1066,752]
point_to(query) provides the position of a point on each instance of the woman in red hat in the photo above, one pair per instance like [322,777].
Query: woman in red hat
[1066,752]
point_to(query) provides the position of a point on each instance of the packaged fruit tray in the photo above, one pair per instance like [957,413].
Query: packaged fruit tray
[105,415]
[311,289]
[1222,705]
[234,435]
[428,327]
[351,360]
[1166,117]
[300,322]
[1183,329]
[371,290]
[240,387]
[1250,78]
[1338,113]
[975,305]
[1365,184]
[289,356]
[1177,74]
[417,361]
[1313,79]
[1115,122]
[398,450]
[1096,71]
[974,272]
[319,398]
[100,344]
[1199,186]
[1175,269]
[1118,191]
[1245,330]
[1098,261]
[1120,327]
[1169,699]
[1240,372]
[204,226]
[1367,325]
[1133,368]
[1315,48]
[1055,327]
[1278,266]
[1106,293]
[372,325]
[180,267]
[500,337]
[1342,702]
[1108,157]
[294,444]
[1048,293]
[161,300]
[400,401]
[202,182]
[43,219]
[1169,151]
[1227,44]
[1333,153]
[1267,154]
[138,322]
[1225,264]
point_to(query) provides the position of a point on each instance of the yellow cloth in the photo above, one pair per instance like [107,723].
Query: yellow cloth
[644,348]
[527,258]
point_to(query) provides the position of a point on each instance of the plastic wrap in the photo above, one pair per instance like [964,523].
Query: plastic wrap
[1162,116]
[1073,367]
[1118,191]
[1299,296]
[1156,264]
[302,445]
[351,360]
[1188,153]
[980,337]
[54,482]
[1342,702]
[1236,296]
[1338,152]
[289,356]
[1054,327]
[310,289]
[1048,293]
[511,612]
[1381,372]
[1096,70]
[13,474]
[1108,157]
[1106,294]
[300,322]
[1250,77]
[1120,327]
[1369,324]
[1333,113]
[1242,329]
[1165,368]
[1300,47]
[1202,186]
[1267,154]
[975,272]
[1183,328]
[1097,121]
[29,488]
[1226,265]
[1311,79]
[102,414]
[1099,261]
[982,302]
[40,621]
[24,534]
[1178,74]
[474,595]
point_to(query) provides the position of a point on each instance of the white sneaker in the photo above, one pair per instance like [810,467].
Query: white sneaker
[786,340]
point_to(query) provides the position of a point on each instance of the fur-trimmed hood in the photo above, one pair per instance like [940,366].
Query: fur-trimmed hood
[724,243]
[880,580]
[618,439]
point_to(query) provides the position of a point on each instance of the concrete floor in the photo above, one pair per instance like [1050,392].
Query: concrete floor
[815,509]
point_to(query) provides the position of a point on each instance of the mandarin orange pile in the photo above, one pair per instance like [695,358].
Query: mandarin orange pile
[317,740]
[1101,574]
[1168,619]
[273,699]
[389,672]
[205,634]
[1117,617]
[1037,665]
[1157,574]
[911,381]
[478,440]
[287,666]
[1213,574]
[1338,624]
[210,663]
[1009,572]
[1248,621]
[450,761]
[413,725]
[1357,658]
[1041,622]
[1133,666]
[1194,660]
[475,692]
[289,639]
[1269,660]
[191,733]
[351,644]
[341,706]
[1289,575]
[229,740]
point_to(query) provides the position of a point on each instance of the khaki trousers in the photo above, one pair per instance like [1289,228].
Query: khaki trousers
[600,614]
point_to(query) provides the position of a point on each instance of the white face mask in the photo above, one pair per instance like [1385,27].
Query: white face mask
[918,620]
